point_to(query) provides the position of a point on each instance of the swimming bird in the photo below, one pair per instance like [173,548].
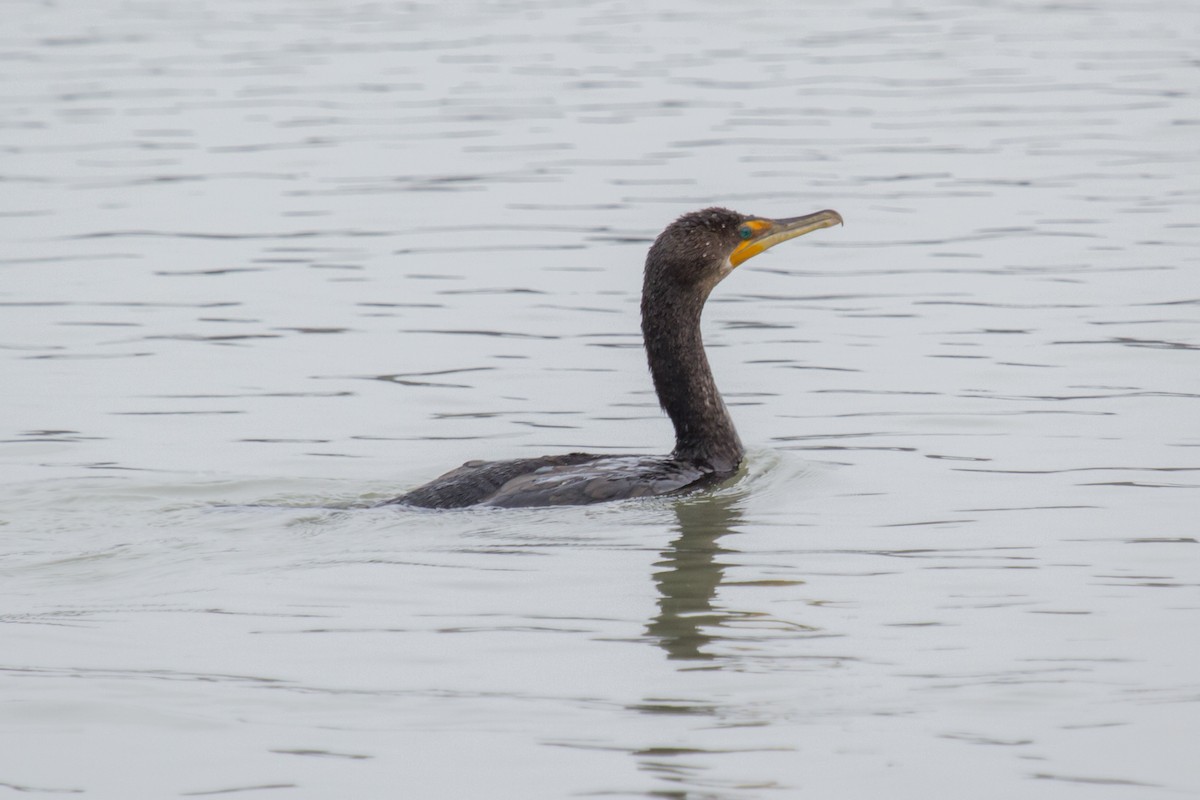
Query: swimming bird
[688,259]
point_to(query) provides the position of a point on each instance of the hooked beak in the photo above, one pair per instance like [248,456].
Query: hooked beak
[766,233]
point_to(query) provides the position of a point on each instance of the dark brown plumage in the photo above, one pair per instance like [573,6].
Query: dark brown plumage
[685,262]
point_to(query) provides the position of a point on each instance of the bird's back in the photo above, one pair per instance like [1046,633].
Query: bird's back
[572,479]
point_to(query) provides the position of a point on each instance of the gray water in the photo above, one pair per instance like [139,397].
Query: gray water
[267,263]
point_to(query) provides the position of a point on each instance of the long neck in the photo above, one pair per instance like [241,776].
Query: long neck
[704,430]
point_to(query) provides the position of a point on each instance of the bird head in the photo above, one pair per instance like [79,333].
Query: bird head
[702,247]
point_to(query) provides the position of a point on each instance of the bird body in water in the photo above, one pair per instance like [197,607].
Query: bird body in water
[685,262]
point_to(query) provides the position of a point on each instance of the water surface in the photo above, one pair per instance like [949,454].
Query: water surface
[267,264]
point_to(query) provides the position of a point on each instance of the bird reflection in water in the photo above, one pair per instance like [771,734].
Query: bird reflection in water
[691,574]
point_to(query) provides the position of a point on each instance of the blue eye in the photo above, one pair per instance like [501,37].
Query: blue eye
[745,232]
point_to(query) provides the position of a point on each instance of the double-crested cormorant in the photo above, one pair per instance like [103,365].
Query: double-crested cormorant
[687,260]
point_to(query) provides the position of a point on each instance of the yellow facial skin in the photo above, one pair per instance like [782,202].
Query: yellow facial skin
[766,233]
